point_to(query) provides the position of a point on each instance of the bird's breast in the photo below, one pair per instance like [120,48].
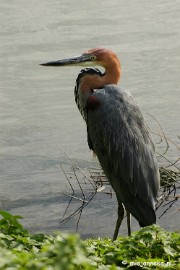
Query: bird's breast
[92,103]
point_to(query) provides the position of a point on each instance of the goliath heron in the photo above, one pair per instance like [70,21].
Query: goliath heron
[118,134]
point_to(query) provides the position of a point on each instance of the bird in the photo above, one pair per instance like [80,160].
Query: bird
[118,134]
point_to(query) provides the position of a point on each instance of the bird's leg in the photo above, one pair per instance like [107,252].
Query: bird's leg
[119,220]
[128,221]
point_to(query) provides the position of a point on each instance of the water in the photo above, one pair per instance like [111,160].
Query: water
[37,108]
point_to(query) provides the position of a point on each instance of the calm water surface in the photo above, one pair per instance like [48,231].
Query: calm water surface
[37,108]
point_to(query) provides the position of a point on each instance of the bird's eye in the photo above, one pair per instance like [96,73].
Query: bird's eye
[93,57]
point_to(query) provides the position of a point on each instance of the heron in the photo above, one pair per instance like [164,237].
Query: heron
[118,134]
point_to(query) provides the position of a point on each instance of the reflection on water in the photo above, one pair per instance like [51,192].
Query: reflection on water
[37,107]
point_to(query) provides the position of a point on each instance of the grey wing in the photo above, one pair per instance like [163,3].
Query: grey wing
[124,147]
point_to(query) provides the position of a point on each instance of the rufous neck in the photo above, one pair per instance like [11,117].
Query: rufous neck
[112,73]
[111,76]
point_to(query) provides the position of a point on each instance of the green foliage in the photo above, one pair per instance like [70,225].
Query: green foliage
[149,248]
[20,250]
[10,225]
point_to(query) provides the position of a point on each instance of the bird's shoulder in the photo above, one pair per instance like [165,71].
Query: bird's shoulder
[115,105]
[111,95]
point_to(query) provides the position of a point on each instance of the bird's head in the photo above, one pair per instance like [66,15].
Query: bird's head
[93,57]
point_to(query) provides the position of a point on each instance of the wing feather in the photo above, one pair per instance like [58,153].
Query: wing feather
[120,138]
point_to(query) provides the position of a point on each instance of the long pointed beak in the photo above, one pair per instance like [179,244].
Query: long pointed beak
[78,60]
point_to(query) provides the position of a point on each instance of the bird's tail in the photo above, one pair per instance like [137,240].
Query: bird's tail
[142,211]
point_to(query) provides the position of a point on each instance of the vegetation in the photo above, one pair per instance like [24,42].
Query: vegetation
[149,248]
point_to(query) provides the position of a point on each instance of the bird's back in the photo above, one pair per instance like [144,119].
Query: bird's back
[120,138]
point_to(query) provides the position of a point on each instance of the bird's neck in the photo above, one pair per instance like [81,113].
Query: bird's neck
[94,81]
[91,82]
[112,74]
